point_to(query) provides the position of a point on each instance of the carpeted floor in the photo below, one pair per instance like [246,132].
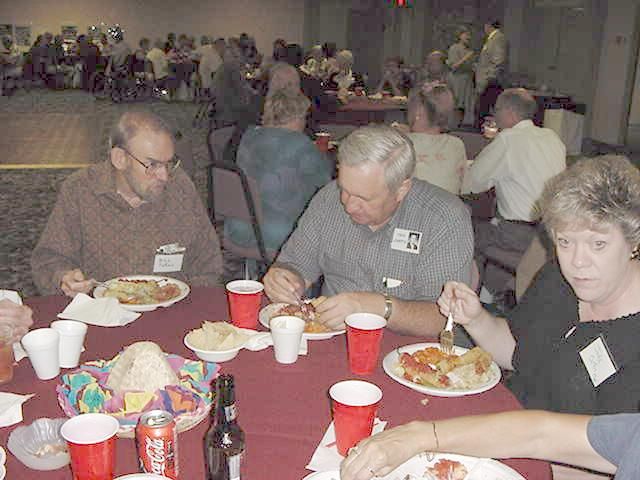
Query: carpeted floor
[41,128]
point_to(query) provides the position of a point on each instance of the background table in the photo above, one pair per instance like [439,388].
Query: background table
[362,111]
[283,409]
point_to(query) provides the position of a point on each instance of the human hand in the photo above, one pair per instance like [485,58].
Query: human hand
[382,453]
[335,309]
[15,319]
[460,300]
[283,285]
[74,282]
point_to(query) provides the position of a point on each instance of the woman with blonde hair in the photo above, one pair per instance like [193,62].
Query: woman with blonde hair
[459,60]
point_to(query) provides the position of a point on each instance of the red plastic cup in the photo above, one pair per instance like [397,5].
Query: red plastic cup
[244,297]
[364,334]
[322,141]
[91,439]
[354,404]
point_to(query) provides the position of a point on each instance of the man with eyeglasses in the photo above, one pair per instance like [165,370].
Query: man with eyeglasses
[136,213]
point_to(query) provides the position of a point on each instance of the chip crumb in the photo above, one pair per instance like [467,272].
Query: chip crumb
[424,401]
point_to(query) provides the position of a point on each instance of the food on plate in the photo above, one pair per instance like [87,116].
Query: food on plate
[217,336]
[51,449]
[141,292]
[306,313]
[446,469]
[434,368]
[142,366]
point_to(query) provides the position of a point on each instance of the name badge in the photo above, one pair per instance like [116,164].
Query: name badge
[169,258]
[406,240]
[389,282]
[598,361]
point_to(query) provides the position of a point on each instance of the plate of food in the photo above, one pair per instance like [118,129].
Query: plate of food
[139,379]
[427,369]
[143,293]
[446,466]
[314,330]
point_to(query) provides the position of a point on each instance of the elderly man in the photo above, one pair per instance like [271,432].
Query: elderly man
[10,64]
[491,70]
[136,213]
[356,232]
[517,163]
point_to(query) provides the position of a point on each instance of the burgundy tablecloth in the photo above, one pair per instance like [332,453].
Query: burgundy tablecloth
[284,410]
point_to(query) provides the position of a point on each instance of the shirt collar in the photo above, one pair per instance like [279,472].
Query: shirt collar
[524,124]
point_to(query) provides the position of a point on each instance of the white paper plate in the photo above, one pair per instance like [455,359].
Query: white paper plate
[390,365]
[414,468]
[184,291]
[267,312]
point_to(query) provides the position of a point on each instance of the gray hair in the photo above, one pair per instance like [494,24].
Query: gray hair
[131,123]
[519,101]
[382,145]
[345,57]
[595,193]
[284,106]
[436,100]
[283,76]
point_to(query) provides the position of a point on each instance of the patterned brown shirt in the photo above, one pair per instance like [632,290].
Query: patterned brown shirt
[94,229]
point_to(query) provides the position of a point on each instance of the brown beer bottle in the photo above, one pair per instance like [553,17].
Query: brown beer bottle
[224,441]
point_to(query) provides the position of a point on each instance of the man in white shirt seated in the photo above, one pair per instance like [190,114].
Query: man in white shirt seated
[517,163]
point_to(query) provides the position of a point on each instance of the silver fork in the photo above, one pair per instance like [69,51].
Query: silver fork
[446,336]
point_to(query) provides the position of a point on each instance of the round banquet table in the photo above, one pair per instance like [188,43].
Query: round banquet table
[283,409]
[361,110]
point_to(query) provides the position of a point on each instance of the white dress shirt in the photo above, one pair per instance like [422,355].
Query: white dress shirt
[518,163]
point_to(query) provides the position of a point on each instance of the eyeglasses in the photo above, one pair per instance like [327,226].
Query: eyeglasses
[154,167]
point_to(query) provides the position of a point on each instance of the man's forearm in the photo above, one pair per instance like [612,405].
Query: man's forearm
[417,318]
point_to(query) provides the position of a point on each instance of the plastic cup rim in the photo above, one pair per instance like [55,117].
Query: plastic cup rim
[36,334]
[64,324]
[378,322]
[79,418]
[258,287]
[370,397]
[300,323]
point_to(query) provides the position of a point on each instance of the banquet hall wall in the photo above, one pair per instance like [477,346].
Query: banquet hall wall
[264,19]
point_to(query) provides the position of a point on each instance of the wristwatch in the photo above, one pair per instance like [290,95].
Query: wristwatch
[388,307]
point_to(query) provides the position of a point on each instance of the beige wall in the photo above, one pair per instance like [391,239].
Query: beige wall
[264,19]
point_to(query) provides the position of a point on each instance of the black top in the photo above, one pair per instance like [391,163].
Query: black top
[549,373]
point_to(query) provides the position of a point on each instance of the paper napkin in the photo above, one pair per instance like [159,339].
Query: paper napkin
[261,340]
[11,408]
[103,312]
[326,456]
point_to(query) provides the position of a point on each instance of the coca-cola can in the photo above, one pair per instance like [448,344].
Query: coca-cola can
[157,444]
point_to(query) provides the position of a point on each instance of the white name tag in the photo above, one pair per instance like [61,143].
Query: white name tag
[406,240]
[389,282]
[168,262]
[597,359]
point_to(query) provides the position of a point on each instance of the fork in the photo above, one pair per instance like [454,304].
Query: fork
[446,336]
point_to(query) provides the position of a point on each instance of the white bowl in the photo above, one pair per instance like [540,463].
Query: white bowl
[213,355]
[25,441]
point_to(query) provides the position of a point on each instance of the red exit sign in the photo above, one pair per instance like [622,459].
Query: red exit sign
[401,3]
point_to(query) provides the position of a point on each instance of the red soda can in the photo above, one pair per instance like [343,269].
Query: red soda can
[157,443]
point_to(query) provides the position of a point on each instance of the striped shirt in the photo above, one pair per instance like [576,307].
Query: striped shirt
[352,257]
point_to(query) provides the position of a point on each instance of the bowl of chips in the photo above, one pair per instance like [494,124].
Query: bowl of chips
[217,341]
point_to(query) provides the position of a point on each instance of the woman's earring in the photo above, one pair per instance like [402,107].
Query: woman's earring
[635,253]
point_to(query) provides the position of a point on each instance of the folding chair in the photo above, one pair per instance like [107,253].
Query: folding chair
[217,140]
[236,196]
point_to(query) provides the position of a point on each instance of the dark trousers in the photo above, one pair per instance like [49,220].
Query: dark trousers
[487,99]
[509,238]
